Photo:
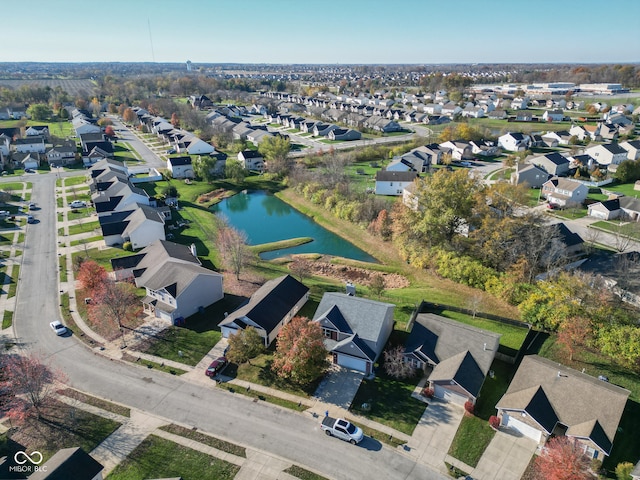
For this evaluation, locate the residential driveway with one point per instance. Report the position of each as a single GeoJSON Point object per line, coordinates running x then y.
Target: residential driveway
{"type": "Point", "coordinates": [506, 457]}
{"type": "Point", "coordinates": [434, 433]}
{"type": "Point", "coordinates": [339, 387]}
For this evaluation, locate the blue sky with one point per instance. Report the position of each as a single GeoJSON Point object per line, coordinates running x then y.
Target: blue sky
{"type": "Point", "coordinates": [326, 31]}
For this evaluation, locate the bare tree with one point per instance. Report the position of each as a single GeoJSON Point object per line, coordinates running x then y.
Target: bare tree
{"type": "Point", "coordinates": [300, 268]}
{"type": "Point", "coordinates": [474, 302]}
{"type": "Point", "coordinates": [115, 303]}
{"type": "Point", "coordinates": [377, 285]}
{"type": "Point", "coordinates": [395, 365]}
{"type": "Point", "coordinates": [232, 245]}
{"type": "Point", "coordinates": [623, 235]}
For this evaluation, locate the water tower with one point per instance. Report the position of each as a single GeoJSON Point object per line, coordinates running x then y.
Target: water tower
{"type": "Point", "coordinates": [188, 65]}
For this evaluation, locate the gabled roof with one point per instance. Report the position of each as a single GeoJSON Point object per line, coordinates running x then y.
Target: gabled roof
{"type": "Point", "coordinates": [630, 203]}
{"type": "Point", "coordinates": [179, 161]}
{"type": "Point", "coordinates": [356, 347]}
{"type": "Point", "coordinates": [69, 463]}
{"type": "Point", "coordinates": [335, 318]}
{"type": "Point", "coordinates": [269, 305]}
{"type": "Point", "coordinates": [592, 430]}
{"type": "Point", "coordinates": [574, 397]}
{"type": "Point", "coordinates": [362, 316]}
{"type": "Point", "coordinates": [393, 176]}
{"type": "Point", "coordinates": [463, 369]}
{"type": "Point", "coordinates": [610, 205]}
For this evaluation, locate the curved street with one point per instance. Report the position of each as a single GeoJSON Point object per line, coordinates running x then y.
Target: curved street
{"type": "Point", "coordinates": [292, 436]}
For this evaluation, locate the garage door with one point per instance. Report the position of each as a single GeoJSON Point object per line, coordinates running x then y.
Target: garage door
{"type": "Point", "coordinates": [523, 428]}
{"type": "Point", "coordinates": [352, 363]}
{"type": "Point", "coordinates": [163, 315]}
{"type": "Point", "coordinates": [449, 396]}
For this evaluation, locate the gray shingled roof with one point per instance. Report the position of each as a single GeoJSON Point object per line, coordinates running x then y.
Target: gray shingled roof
{"type": "Point", "coordinates": [69, 463]}
{"type": "Point", "coordinates": [391, 176]}
{"type": "Point", "coordinates": [575, 397]}
{"type": "Point", "coordinates": [365, 317]}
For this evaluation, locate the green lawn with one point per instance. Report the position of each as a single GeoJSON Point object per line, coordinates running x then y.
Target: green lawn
{"type": "Point", "coordinates": [625, 188]}
{"type": "Point", "coordinates": [156, 457]}
{"type": "Point", "coordinates": [511, 336]}
{"type": "Point", "coordinates": [62, 266]}
{"type": "Point", "coordinates": [61, 129]}
{"type": "Point", "coordinates": [303, 473]}
{"type": "Point", "coordinates": [7, 319]}
{"type": "Point", "coordinates": [80, 228]}
{"type": "Point", "coordinates": [76, 214]}
{"type": "Point", "coordinates": [630, 229]}
{"type": "Point", "coordinates": [102, 256]}
{"type": "Point", "coordinates": [15, 274]}
{"type": "Point", "coordinates": [196, 337]}
{"type": "Point", "coordinates": [86, 240]}
{"type": "Point", "coordinates": [298, 407]}
{"type": "Point", "coordinates": [471, 440]}
{"type": "Point", "coordinates": [209, 440]}
{"type": "Point", "coordinates": [72, 181]}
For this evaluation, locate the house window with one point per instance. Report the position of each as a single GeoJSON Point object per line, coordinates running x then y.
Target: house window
{"type": "Point", "coordinates": [326, 332]}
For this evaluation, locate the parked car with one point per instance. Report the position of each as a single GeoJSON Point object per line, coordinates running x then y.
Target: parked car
{"type": "Point", "coordinates": [78, 204]}
{"type": "Point", "coordinates": [29, 170]}
{"type": "Point", "coordinates": [32, 206]}
{"type": "Point", "coordinates": [216, 367]}
{"type": "Point", "coordinates": [58, 327]}
{"type": "Point", "coordinates": [171, 151]}
{"type": "Point", "coordinates": [342, 429]}
{"type": "Point", "coordinates": [30, 219]}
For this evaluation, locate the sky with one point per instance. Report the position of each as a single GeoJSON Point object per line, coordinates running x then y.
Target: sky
{"type": "Point", "coordinates": [325, 31]}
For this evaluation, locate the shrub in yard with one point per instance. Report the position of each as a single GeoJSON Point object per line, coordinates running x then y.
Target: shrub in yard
{"type": "Point", "coordinates": [127, 246]}
{"type": "Point", "coordinates": [469, 407]}
{"type": "Point", "coordinates": [428, 392]}
{"type": "Point", "coordinates": [494, 422]}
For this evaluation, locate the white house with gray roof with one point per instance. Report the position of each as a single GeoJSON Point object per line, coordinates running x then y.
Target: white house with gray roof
{"type": "Point", "coordinates": [547, 399]}
{"type": "Point", "coordinates": [176, 282]}
{"type": "Point", "coordinates": [355, 329]}
{"type": "Point", "coordinates": [455, 356]}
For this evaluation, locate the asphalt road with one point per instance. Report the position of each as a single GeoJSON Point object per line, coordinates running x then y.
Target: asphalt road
{"type": "Point", "coordinates": [291, 435]}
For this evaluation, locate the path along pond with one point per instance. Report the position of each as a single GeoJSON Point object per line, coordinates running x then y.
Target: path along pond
{"type": "Point", "coordinates": [265, 218]}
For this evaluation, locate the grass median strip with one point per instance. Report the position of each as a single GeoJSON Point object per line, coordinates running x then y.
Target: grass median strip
{"type": "Point", "coordinates": [149, 364]}
{"type": "Point", "coordinates": [299, 407]}
{"type": "Point", "coordinates": [205, 439]}
{"type": "Point", "coordinates": [15, 275]}
{"type": "Point", "coordinates": [96, 402]}
{"type": "Point", "coordinates": [303, 473]}
{"type": "Point", "coordinates": [7, 319]}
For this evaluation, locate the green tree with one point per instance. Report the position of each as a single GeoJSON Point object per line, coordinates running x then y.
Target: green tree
{"type": "Point", "coordinates": [170, 191]}
{"type": "Point", "coordinates": [235, 171]}
{"type": "Point", "coordinates": [623, 471]}
{"type": "Point", "coordinates": [628, 171]}
{"type": "Point", "coordinates": [245, 345]}
{"type": "Point", "coordinates": [203, 167]}
{"type": "Point", "coordinates": [622, 343]}
{"type": "Point", "coordinates": [40, 112]}
{"type": "Point", "coordinates": [275, 151]}
{"type": "Point", "coordinates": [446, 202]}
{"type": "Point", "coordinates": [300, 353]}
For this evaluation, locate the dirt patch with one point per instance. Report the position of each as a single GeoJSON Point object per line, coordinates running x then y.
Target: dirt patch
{"type": "Point", "coordinates": [246, 286]}
{"type": "Point", "coordinates": [214, 196]}
{"type": "Point", "coordinates": [357, 275]}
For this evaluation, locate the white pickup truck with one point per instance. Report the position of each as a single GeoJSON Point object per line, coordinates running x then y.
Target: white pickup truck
{"type": "Point", "coordinates": [342, 429]}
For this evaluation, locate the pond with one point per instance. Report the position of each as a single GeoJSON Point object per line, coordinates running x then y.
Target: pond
{"type": "Point", "coordinates": [265, 218]}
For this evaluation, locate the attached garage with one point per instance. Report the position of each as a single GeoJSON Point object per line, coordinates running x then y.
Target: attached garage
{"type": "Point", "coordinates": [523, 428]}
{"type": "Point", "coordinates": [449, 396]}
{"type": "Point", "coordinates": [352, 363]}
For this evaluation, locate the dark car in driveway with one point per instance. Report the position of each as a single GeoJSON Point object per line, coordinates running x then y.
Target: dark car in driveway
{"type": "Point", "coordinates": [216, 367]}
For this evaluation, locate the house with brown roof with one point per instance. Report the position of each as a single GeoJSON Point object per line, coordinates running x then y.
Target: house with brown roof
{"type": "Point", "coordinates": [455, 356]}
{"type": "Point", "coordinates": [546, 398]}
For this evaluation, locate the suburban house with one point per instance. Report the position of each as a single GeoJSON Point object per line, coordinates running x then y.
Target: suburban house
{"type": "Point", "coordinates": [142, 226]}
{"type": "Point", "coordinates": [484, 148]}
{"type": "Point", "coordinates": [605, 210]}
{"type": "Point", "coordinates": [35, 130]}
{"type": "Point", "coordinates": [553, 115]}
{"type": "Point", "coordinates": [632, 147]}
{"type": "Point", "coordinates": [81, 126]}
{"type": "Point", "coordinates": [26, 160]}
{"type": "Point", "coordinates": [455, 356]}
{"type": "Point", "coordinates": [64, 154]}
{"type": "Point", "coordinates": [546, 398]}
{"type": "Point", "coordinates": [608, 153]}
{"type": "Point", "coordinates": [630, 207]}
{"type": "Point", "coordinates": [271, 307]}
{"type": "Point", "coordinates": [582, 132]}
{"type": "Point", "coordinates": [564, 192]}
{"type": "Point", "coordinates": [531, 175]}
{"type": "Point", "coordinates": [459, 150]}
{"type": "Point", "coordinates": [355, 329]}
{"type": "Point", "coordinates": [514, 141]}
{"type": "Point", "coordinates": [195, 146]}
{"type": "Point", "coordinates": [553, 163]}
{"type": "Point", "coordinates": [176, 282]}
{"type": "Point", "coordinates": [389, 182]}
{"type": "Point", "coordinates": [344, 134]}
{"type": "Point", "coordinates": [180, 167]}
{"type": "Point", "coordinates": [251, 160]}
{"type": "Point", "coordinates": [559, 138]}
{"type": "Point", "coordinates": [69, 463]}
{"type": "Point", "coordinates": [34, 144]}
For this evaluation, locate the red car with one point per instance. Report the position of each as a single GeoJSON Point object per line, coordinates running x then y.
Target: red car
{"type": "Point", "coordinates": [216, 367]}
